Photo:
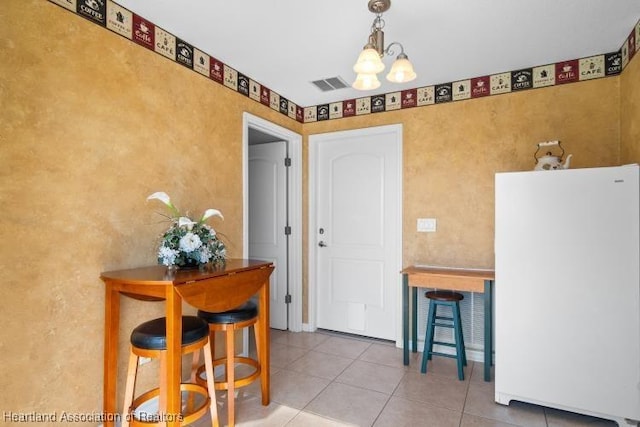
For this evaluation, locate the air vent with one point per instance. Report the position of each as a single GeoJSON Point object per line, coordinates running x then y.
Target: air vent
{"type": "Point", "coordinates": [332, 83]}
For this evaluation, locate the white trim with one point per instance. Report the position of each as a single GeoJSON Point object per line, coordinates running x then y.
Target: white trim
{"type": "Point", "coordinates": [311, 231]}
{"type": "Point", "coordinates": [314, 140]}
{"type": "Point", "coordinates": [295, 206]}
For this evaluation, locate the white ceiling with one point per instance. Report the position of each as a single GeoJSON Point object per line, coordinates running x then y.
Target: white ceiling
{"type": "Point", "coordinates": [286, 44]}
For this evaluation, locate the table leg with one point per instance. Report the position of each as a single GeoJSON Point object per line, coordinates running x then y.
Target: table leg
{"type": "Point", "coordinates": [110, 379]}
{"type": "Point", "coordinates": [263, 316]}
{"type": "Point", "coordinates": [488, 329]}
{"type": "Point", "coordinates": [173, 372]}
{"type": "Point", "coordinates": [414, 319]}
{"type": "Point", "coordinates": [405, 318]}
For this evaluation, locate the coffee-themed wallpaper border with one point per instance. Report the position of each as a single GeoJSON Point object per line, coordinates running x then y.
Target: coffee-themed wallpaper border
{"type": "Point", "coordinates": [120, 20]}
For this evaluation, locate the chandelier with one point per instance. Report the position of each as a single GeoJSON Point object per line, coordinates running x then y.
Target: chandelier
{"type": "Point", "coordinates": [369, 63]}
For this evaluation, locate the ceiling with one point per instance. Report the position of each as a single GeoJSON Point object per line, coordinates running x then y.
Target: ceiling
{"type": "Point", "coordinates": [286, 44]}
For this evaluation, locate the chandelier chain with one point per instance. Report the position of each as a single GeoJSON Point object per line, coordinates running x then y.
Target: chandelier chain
{"type": "Point", "coordinates": [378, 23]}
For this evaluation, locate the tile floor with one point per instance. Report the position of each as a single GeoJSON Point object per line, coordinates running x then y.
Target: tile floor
{"type": "Point", "coordinates": [329, 379]}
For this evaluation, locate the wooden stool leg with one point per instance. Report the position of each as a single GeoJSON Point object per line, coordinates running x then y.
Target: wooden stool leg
{"type": "Point", "coordinates": [230, 373]}
{"type": "Point", "coordinates": [208, 363]}
{"type": "Point", "coordinates": [428, 340]}
{"type": "Point", "coordinates": [132, 373]}
{"type": "Point", "coordinates": [461, 337]}
{"type": "Point", "coordinates": [457, 329]}
{"type": "Point", "coordinates": [259, 354]}
{"type": "Point", "coordinates": [162, 399]}
{"type": "Point", "coordinates": [195, 364]}
{"type": "Point", "coordinates": [256, 334]}
{"type": "Point", "coordinates": [212, 343]}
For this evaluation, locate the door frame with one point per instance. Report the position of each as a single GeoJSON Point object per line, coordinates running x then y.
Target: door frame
{"type": "Point", "coordinates": [294, 141]}
{"type": "Point", "coordinates": [314, 141]}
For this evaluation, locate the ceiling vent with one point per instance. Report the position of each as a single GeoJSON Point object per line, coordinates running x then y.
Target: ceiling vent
{"type": "Point", "coordinates": [332, 83]}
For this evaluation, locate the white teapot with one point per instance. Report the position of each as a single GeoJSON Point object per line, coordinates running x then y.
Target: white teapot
{"type": "Point", "coordinates": [549, 161]}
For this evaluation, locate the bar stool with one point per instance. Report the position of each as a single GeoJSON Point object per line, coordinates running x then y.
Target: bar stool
{"type": "Point", "coordinates": [149, 339]}
{"type": "Point", "coordinates": [229, 322]}
{"type": "Point", "coordinates": [446, 299]}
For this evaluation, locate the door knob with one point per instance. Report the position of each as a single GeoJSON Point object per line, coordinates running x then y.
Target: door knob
{"type": "Point", "coordinates": [322, 244]}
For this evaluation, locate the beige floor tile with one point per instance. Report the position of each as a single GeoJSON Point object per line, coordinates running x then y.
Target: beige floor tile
{"type": "Point", "coordinates": [557, 418]}
{"type": "Point", "coordinates": [306, 419]}
{"type": "Point", "coordinates": [344, 347]}
{"type": "Point", "coordinates": [251, 412]}
{"type": "Point", "coordinates": [388, 355]}
{"type": "Point", "coordinates": [469, 420]}
{"type": "Point", "coordinates": [283, 355]}
{"type": "Point", "coordinates": [401, 412]}
{"type": "Point", "coordinates": [480, 402]}
{"type": "Point", "coordinates": [301, 339]}
{"type": "Point", "coordinates": [477, 374]}
{"type": "Point", "coordinates": [277, 333]}
{"type": "Point", "coordinates": [348, 404]}
{"type": "Point", "coordinates": [321, 365]}
{"type": "Point", "coordinates": [433, 389]}
{"type": "Point", "coordinates": [296, 389]}
{"type": "Point", "coordinates": [372, 376]}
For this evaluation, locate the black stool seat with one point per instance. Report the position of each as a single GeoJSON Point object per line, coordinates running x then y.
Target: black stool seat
{"type": "Point", "coordinates": [152, 335]}
{"type": "Point", "coordinates": [444, 296]}
{"type": "Point", "coordinates": [246, 311]}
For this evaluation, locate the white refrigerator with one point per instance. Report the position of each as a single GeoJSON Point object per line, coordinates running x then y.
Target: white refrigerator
{"type": "Point", "coordinates": [567, 292]}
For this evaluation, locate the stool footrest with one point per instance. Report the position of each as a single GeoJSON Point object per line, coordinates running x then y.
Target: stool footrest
{"type": "Point", "coordinates": [444, 325]}
{"type": "Point", "coordinates": [189, 417]}
{"type": "Point", "coordinates": [437, 353]}
{"type": "Point", "coordinates": [448, 344]}
{"type": "Point", "coordinates": [239, 381]}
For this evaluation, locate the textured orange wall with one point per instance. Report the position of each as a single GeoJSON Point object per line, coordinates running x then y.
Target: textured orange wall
{"type": "Point", "coordinates": [630, 112]}
{"type": "Point", "coordinates": [91, 123]}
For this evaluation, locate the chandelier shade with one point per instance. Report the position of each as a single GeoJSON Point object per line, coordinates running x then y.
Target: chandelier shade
{"type": "Point", "coordinates": [401, 70]}
{"type": "Point", "coordinates": [366, 82]}
{"type": "Point", "coordinates": [368, 62]}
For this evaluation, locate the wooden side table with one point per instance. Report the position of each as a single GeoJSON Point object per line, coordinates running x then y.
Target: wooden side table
{"type": "Point", "coordinates": [458, 279]}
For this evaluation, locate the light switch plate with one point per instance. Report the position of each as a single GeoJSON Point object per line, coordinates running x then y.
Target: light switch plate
{"type": "Point", "coordinates": [426, 225]}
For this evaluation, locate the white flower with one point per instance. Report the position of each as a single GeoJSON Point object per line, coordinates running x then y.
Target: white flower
{"type": "Point", "coordinates": [190, 242]}
{"type": "Point", "coordinates": [209, 213]}
{"type": "Point", "coordinates": [205, 254]}
{"type": "Point", "coordinates": [164, 198]}
{"type": "Point", "coordinates": [167, 255]}
{"type": "Point", "coordinates": [209, 229]}
{"type": "Point", "coordinates": [184, 221]}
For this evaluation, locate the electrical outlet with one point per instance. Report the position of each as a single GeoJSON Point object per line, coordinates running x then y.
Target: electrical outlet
{"type": "Point", "coordinates": [426, 225]}
{"type": "Point", "coordinates": [143, 361]}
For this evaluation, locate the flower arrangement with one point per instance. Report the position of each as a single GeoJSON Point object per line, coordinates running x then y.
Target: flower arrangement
{"type": "Point", "coordinates": [188, 243]}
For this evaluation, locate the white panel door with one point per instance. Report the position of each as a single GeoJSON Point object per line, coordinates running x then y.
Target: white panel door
{"type": "Point", "coordinates": [358, 211]}
{"type": "Point", "coordinates": [267, 220]}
